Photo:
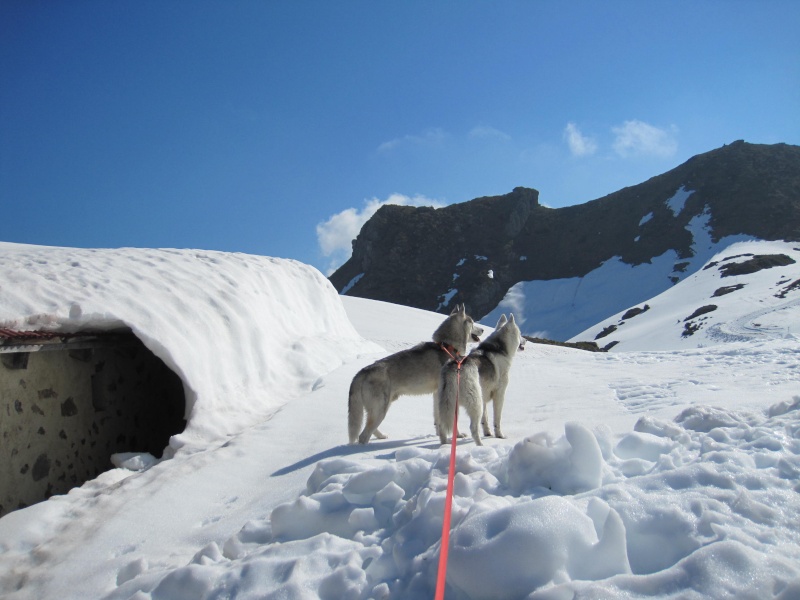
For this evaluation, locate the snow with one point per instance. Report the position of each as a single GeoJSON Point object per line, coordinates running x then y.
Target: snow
{"type": "Point", "coordinates": [352, 283]}
{"type": "Point", "coordinates": [226, 304]}
{"type": "Point", "coordinates": [641, 474]}
{"type": "Point", "coordinates": [447, 297]}
{"type": "Point", "coordinates": [560, 309]}
{"type": "Point", "coordinates": [678, 200]}
{"type": "Point", "coordinates": [763, 307]}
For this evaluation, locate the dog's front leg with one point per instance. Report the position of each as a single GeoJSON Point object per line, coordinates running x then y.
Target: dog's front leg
{"type": "Point", "coordinates": [485, 420]}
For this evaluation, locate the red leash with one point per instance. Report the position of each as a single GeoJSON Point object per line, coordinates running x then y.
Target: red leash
{"type": "Point", "coordinates": [448, 506]}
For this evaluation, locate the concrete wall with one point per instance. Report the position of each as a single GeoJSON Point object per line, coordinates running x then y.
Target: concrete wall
{"type": "Point", "coordinates": [63, 413]}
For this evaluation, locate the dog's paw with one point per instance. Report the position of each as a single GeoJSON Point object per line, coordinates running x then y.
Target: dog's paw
{"type": "Point", "coordinates": [379, 435]}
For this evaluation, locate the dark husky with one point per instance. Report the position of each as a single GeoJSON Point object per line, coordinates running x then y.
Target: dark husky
{"type": "Point", "coordinates": [483, 379]}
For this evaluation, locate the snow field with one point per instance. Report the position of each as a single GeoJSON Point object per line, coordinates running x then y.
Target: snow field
{"type": "Point", "coordinates": [706, 504]}
{"type": "Point", "coordinates": [670, 474]}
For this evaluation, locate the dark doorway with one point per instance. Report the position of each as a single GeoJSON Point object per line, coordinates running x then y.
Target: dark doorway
{"type": "Point", "coordinates": [70, 401]}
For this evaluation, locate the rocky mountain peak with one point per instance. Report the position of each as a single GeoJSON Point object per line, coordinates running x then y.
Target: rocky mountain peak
{"type": "Point", "coordinates": [473, 252]}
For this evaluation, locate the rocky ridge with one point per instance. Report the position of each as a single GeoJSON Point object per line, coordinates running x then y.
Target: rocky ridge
{"type": "Point", "coordinates": [473, 252]}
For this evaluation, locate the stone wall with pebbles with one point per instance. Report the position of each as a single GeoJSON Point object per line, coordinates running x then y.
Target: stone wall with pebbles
{"type": "Point", "coordinates": [63, 413]}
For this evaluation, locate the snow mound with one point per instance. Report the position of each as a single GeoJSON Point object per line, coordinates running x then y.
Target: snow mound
{"type": "Point", "coordinates": [244, 333]}
{"type": "Point", "coordinates": [700, 507]}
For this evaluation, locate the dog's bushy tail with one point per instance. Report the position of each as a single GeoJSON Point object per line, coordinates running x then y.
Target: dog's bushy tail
{"type": "Point", "coordinates": [448, 384]}
{"type": "Point", "coordinates": [355, 409]}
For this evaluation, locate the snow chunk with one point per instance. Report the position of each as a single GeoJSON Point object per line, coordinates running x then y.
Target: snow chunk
{"type": "Point", "coordinates": [568, 465]}
{"type": "Point", "coordinates": [539, 542]}
{"type": "Point", "coordinates": [133, 461]}
{"type": "Point", "coordinates": [643, 445]}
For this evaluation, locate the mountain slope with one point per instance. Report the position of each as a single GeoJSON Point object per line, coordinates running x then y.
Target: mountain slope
{"type": "Point", "coordinates": [666, 228]}
{"type": "Point", "coordinates": [749, 292]}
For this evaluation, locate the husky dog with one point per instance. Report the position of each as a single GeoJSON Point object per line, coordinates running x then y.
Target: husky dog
{"type": "Point", "coordinates": [410, 372]}
{"type": "Point", "coordinates": [483, 379]}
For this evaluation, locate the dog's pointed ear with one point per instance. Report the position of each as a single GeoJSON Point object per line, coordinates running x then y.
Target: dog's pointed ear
{"type": "Point", "coordinates": [511, 318]}
{"type": "Point", "coordinates": [501, 321]}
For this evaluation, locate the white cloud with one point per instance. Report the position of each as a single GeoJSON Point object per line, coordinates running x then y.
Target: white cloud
{"type": "Point", "coordinates": [579, 144]}
{"type": "Point", "coordinates": [637, 138]}
{"type": "Point", "coordinates": [335, 236]}
{"type": "Point", "coordinates": [428, 137]}
{"type": "Point", "coordinates": [489, 133]}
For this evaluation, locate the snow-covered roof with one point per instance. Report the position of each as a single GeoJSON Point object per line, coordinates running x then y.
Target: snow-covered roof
{"type": "Point", "coordinates": [234, 327]}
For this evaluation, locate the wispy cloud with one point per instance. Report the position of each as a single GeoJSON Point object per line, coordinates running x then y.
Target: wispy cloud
{"type": "Point", "coordinates": [579, 144]}
{"type": "Point", "coordinates": [485, 132]}
{"type": "Point", "coordinates": [637, 138]}
{"type": "Point", "coordinates": [429, 137]}
{"type": "Point", "coordinates": [335, 236]}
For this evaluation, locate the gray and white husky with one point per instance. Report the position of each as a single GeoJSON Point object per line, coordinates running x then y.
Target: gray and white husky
{"type": "Point", "coordinates": [483, 379]}
{"type": "Point", "coordinates": [412, 372]}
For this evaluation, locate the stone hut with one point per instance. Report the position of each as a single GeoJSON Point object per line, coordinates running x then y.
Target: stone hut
{"type": "Point", "coordinates": [70, 401]}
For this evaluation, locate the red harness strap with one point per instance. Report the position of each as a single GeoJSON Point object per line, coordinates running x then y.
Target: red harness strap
{"type": "Point", "coordinates": [448, 505]}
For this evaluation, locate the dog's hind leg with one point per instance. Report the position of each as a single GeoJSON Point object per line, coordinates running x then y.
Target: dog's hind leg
{"type": "Point", "coordinates": [355, 407]}
{"type": "Point", "coordinates": [474, 408]}
{"type": "Point", "coordinates": [499, 399]}
{"type": "Point", "coordinates": [376, 413]}
{"type": "Point", "coordinates": [374, 419]}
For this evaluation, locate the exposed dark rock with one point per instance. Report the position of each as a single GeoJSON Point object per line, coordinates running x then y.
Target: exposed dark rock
{"type": "Point", "coordinates": [755, 264]}
{"type": "Point", "coordinates": [727, 290]}
{"type": "Point", "coordinates": [606, 331]}
{"type": "Point", "coordinates": [681, 267]}
{"type": "Point", "coordinates": [703, 310]}
{"type": "Point", "coordinates": [794, 286]}
{"type": "Point", "coordinates": [41, 468]}
{"type": "Point", "coordinates": [68, 408]}
{"type": "Point", "coordinates": [690, 329]}
{"type": "Point", "coordinates": [588, 346]}
{"type": "Point", "coordinates": [635, 311]}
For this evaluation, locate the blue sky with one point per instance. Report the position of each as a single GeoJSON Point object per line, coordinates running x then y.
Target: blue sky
{"type": "Point", "coordinates": [276, 128]}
